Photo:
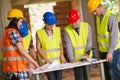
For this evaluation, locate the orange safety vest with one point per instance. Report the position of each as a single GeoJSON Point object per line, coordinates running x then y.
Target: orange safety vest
{"type": "Point", "coordinates": [13, 60]}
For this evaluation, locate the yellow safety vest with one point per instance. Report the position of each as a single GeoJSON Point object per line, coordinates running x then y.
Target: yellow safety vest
{"type": "Point", "coordinates": [50, 48]}
{"type": "Point", "coordinates": [26, 41]}
{"type": "Point", "coordinates": [1, 57]}
{"type": "Point", "coordinates": [79, 42]}
{"type": "Point", "coordinates": [103, 35]}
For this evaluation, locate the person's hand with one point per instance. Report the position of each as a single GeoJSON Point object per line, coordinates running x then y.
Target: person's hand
{"type": "Point", "coordinates": [109, 57]}
{"type": "Point", "coordinates": [85, 56]}
{"type": "Point", "coordinates": [73, 61]}
{"type": "Point", "coordinates": [36, 64]}
{"type": "Point", "coordinates": [62, 58]}
{"type": "Point", "coordinates": [31, 66]}
{"type": "Point", "coordinates": [48, 61]}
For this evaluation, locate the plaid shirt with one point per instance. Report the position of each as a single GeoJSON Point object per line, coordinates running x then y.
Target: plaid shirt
{"type": "Point", "coordinates": [21, 75]}
{"type": "Point", "coordinates": [14, 36]}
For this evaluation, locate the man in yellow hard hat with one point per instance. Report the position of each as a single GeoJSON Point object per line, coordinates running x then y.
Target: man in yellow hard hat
{"type": "Point", "coordinates": [108, 38]}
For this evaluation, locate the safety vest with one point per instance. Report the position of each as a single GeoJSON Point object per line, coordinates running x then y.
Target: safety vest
{"type": "Point", "coordinates": [13, 61]}
{"type": "Point", "coordinates": [26, 41]}
{"type": "Point", "coordinates": [79, 42]}
{"type": "Point", "coordinates": [103, 35]}
{"type": "Point", "coordinates": [51, 48]}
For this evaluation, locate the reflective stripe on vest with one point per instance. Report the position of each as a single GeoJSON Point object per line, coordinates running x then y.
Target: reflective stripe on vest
{"type": "Point", "coordinates": [102, 33]}
{"type": "Point", "coordinates": [79, 47]}
{"type": "Point", "coordinates": [52, 50]}
{"type": "Point", "coordinates": [9, 48]}
{"type": "Point", "coordinates": [103, 36]}
{"type": "Point", "coordinates": [13, 58]}
{"type": "Point", "coordinates": [104, 45]}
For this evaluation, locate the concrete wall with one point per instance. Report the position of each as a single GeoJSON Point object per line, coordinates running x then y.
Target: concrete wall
{"type": "Point", "coordinates": [5, 6]}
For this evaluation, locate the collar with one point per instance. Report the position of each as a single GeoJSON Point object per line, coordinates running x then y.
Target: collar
{"type": "Point", "coordinates": [103, 13]}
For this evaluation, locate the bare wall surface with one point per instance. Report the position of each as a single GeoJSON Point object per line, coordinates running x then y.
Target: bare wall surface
{"type": "Point", "coordinates": [5, 6]}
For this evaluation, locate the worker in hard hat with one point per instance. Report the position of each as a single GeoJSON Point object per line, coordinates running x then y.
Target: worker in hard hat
{"type": "Point", "coordinates": [78, 38]}
{"type": "Point", "coordinates": [15, 57]}
{"type": "Point", "coordinates": [108, 38]}
{"type": "Point", "coordinates": [49, 45]}
{"type": "Point", "coordinates": [28, 45]}
{"type": "Point", "coordinates": [27, 39]}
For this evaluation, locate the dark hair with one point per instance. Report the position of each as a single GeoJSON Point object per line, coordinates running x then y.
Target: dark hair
{"type": "Point", "coordinates": [13, 23]}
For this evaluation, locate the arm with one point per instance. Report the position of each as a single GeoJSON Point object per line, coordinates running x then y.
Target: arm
{"type": "Point", "coordinates": [32, 50]}
{"type": "Point", "coordinates": [62, 58]}
{"type": "Point", "coordinates": [25, 54]}
{"type": "Point", "coordinates": [113, 29]}
{"type": "Point", "coordinates": [89, 43]}
{"type": "Point", "coordinates": [15, 39]}
{"type": "Point", "coordinates": [89, 40]}
{"type": "Point", "coordinates": [69, 47]}
{"type": "Point", "coordinates": [38, 46]}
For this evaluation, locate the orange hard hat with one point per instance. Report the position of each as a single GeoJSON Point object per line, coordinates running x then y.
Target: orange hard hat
{"type": "Point", "coordinates": [73, 16]}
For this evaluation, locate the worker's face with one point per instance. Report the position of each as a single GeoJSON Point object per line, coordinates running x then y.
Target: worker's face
{"type": "Point", "coordinates": [97, 11]}
{"type": "Point", "coordinates": [76, 24]}
{"type": "Point", "coordinates": [49, 26]}
{"type": "Point", "coordinates": [19, 23]}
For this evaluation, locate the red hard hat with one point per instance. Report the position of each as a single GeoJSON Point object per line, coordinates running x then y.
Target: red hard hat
{"type": "Point", "coordinates": [73, 16]}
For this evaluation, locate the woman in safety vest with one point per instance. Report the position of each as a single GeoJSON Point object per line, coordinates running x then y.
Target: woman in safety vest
{"type": "Point", "coordinates": [28, 45]}
{"type": "Point", "coordinates": [15, 58]}
{"type": "Point", "coordinates": [78, 38]}
{"type": "Point", "coordinates": [49, 45]}
{"type": "Point", "coordinates": [108, 38]}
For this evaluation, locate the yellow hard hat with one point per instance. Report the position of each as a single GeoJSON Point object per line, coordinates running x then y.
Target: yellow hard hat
{"type": "Point", "coordinates": [15, 13]}
{"type": "Point", "coordinates": [93, 4]}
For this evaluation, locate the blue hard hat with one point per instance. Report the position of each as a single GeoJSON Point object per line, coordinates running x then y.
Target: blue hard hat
{"type": "Point", "coordinates": [24, 29]}
{"type": "Point", "coordinates": [49, 18]}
